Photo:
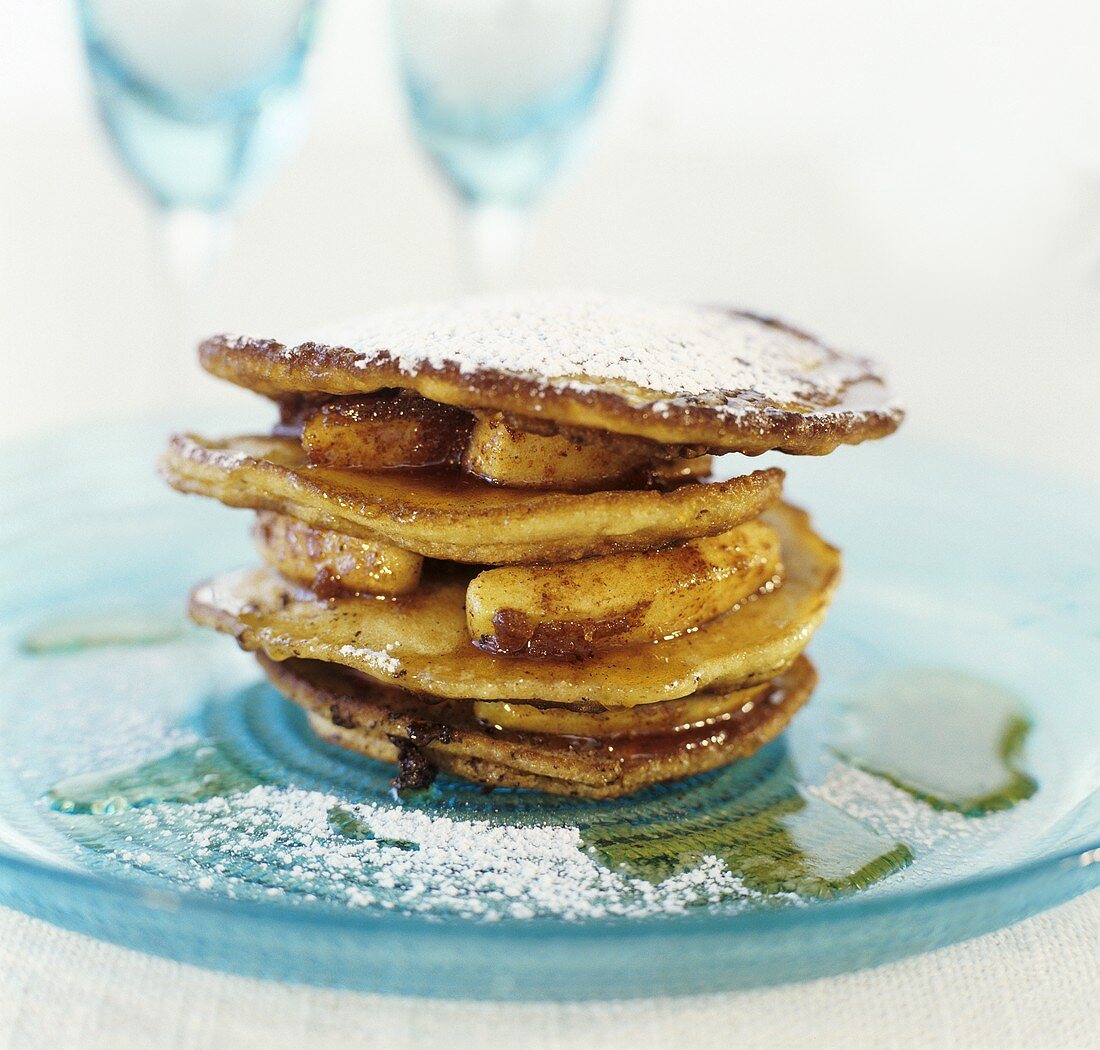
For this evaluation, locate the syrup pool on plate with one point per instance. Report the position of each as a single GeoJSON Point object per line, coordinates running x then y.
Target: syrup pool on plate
{"type": "Point", "coordinates": [950, 739]}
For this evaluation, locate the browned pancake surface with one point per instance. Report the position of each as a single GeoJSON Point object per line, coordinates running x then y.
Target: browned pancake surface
{"type": "Point", "coordinates": [720, 378]}
{"type": "Point", "coordinates": [383, 722]}
{"type": "Point", "coordinates": [455, 516]}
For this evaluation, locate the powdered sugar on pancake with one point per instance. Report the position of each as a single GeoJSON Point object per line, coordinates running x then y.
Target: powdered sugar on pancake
{"type": "Point", "coordinates": [656, 351]}
{"type": "Point", "coordinates": [677, 374]}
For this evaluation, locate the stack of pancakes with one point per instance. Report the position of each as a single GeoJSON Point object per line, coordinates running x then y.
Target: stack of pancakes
{"type": "Point", "coordinates": [491, 544]}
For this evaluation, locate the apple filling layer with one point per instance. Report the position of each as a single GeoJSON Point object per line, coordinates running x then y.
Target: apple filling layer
{"type": "Point", "coordinates": [389, 431]}
{"type": "Point", "coordinates": [546, 610]}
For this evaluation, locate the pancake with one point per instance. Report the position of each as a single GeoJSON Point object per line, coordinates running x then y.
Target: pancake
{"type": "Point", "coordinates": [399, 727]}
{"type": "Point", "coordinates": [454, 516]}
{"type": "Point", "coordinates": [421, 641]}
{"type": "Point", "coordinates": [674, 374]}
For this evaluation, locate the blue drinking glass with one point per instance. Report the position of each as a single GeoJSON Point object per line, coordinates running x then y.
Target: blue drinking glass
{"type": "Point", "coordinates": [500, 93]}
{"type": "Point", "coordinates": [202, 100]}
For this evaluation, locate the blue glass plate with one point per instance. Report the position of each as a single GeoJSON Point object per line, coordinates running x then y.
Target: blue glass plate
{"type": "Point", "coordinates": [154, 792]}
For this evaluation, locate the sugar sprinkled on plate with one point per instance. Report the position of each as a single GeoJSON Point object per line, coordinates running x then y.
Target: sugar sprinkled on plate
{"type": "Point", "coordinates": [289, 842]}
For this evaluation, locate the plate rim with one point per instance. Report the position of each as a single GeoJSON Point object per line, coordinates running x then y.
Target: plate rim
{"type": "Point", "coordinates": [835, 911]}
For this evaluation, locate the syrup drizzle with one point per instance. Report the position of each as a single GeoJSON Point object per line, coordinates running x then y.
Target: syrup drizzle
{"type": "Point", "coordinates": [189, 774]}
{"type": "Point", "coordinates": [770, 833]}
{"type": "Point", "coordinates": [73, 634]}
{"type": "Point", "coordinates": [948, 738]}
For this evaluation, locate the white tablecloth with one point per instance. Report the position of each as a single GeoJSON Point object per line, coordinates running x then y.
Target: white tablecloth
{"type": "Point", "coordinates": [1033, 985]}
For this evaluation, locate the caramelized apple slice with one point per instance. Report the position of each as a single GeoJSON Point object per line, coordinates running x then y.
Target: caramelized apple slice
{"type": "Point", "coordinates": [501, 452]}
{"type": "Point", "coordinates": [389, 430]}
{"type": "Point", "coordinates": [331, 563]}
{"type": "Point", "coordinates": [700, 711]}
{"type": "Point", "coordinates": [602, 603]}
{"type": "Point", "coordinates": [384, 430]}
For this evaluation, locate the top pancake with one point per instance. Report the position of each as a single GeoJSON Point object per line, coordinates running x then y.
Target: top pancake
{"type": "Point", "coordinates": [676, 374]}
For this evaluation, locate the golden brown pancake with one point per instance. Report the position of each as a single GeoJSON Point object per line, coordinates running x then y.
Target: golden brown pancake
{"type": "Point", "coordinates": [421, 641]}
{"type": "Point", "coordinates": [397, 726]}
{"type": "Point", "coordinates": [675, 374]}
{"type": "Point", "coordinates": [456, 516]}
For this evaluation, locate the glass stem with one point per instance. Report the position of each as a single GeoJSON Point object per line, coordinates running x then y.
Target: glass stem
{"type": "Point", "coordinates": [193, 246]}
{"type": "Point", "coordinates": [492, 238]}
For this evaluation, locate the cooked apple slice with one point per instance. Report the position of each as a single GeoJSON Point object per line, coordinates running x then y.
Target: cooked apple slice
{"type": "Point", "coordinates": [699, 711]}
{"type": "Point", "coordinates": [384, 430]}
{"type": "Point", "coordinates": [420, 641]}
{"type": "Point", "coordinates": [675, 471]}
{"type": "Point", "coordinates": [501, 452]}
{"type": "Point", "coordinates": [602, 603]}
{"type": "Point", "coordinates": [331, 563]}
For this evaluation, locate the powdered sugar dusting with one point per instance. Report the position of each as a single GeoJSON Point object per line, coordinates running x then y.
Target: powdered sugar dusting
{"type": "Point", "coordinates": [285, 841]}
{"type": "Point", "coordinates": [657, 353]}
{"type": "Point", "coordinates": [378, 658]}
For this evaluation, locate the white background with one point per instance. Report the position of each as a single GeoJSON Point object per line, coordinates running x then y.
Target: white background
{"type": "Point", "coordinates": [917, 180]}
